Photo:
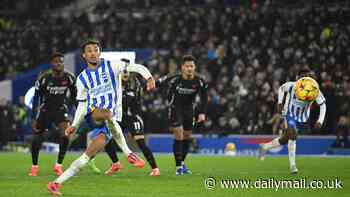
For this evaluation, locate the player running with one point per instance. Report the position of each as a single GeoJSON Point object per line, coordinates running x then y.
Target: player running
{"type": "Point", "coordinates": [296, 112]}
{"type": "Point", "coordinates": [99, 94]}
{"type": "Point", "coordinates": [182, 90]}
{"type": "Point", "coordinates": [54, 92]}
{"type": "Point", "coordinates": [132, 123]}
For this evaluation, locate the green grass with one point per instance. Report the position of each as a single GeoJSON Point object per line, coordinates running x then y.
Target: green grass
{"type": "Point", "coordinates": [136, 182]}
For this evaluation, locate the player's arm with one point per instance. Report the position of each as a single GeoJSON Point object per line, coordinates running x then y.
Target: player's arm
{"type": "Point", "coordinates": [203, 100]}
{"type": "Point", "coordinates": [282, 90]}
{"type": "Point", "coordinates": [137, 68]}
{"type": "Point", "coordinates": [38, 93]}
{"type": "Point", "coordinates": [321, 101]}
{"type": "Point", "coordinates": [144, 72]}
{"type": "Point", "coordinates": [72, 90]}
{"type": "Point", "coordinates": [36, 99]}
{"type": "Point", "coordinates": [164, 81]}
{"type": "Point", "coordinates": [81, 110]}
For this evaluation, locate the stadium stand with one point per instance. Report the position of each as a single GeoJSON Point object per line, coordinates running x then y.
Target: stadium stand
{"type": "Point", "coordinates": [245, 50]}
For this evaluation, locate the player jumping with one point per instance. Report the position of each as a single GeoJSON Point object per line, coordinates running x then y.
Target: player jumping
{"type": "Point", "coordinates": [99, 94]}
{"type": "Point", "coordinates": [50, 105]}
{"type": "Point", "coordinates": [296, 112]}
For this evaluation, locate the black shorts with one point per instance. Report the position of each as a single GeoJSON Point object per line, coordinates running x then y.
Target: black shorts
{"type": "Point", "coordinates": [47, 117]}
{"type": "Point", "coordinates": [182, 116]}
{"type": "Point", "coordinates": [133, 125]}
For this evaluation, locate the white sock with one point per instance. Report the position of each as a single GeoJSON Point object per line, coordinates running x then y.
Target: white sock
{"type": "Point", "coordinates": [291, 152]}
{"type": "Point", "coordinates": [73, 169]}
{"type": "Point", "coordinates": [118, 136]}
{"type": "Point", "coordinates": [272, 144]}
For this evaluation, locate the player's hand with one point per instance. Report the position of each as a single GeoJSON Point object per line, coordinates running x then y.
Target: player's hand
{"type": "Point", "coordinates": [318, 125]}
{"type": "Point", "coordinates": [35, 126]}
{"type": "Point", "coordinates": [151, 84]}
{"type": "Point", "coordinates": [201, 118]}
{"type": "Point", "coordinates": [70, 130]}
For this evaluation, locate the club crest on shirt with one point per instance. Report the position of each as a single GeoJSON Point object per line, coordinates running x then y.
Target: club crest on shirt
{"type": "Point", "coordinates": [104, 77]}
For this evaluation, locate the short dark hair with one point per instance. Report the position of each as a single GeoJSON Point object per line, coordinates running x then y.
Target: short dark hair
{"type": "Point", "coordinates": [56, 54]}
{"type": "Point", "coordinates": [187, 58]}
{"type": "Point", "coordinates": [89, 41]}
{"type": "Point", "coordinates": [304, 71]}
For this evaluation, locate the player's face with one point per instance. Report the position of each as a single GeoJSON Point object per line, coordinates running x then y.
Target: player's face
{"type": "Point", "coordinates": [188, 68]}
{"type": "Point", "coordinates": [92, 54]}
{"type": "Point", "coordinates": [57, 63]}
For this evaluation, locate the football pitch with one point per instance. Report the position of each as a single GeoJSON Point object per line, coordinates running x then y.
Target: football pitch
{"type": "Point", "coordinates": [211, 177]}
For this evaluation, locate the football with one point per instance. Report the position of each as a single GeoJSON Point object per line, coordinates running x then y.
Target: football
{"type": "Point", "coordinates": [307, 89]}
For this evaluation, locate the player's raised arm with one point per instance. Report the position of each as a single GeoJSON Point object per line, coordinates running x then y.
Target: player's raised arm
{"type": "Point", "coordinates": [146, 74]}
{"type": "Point", "coordinates": [125, 66]}
{"type": "Point", "coordinates": [165, 80]}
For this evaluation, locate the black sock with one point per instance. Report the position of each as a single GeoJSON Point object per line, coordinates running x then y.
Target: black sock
{"type": "Point", "coordinates": [111, 150]}
{"type": "Point", "coordinates": [177, 150]}
{"type": "Point", "coordinates": [147, 153]}
{"type": "Point", "coordinates": [63, 149]}
{"type": "Point", "coordinates": [185, 148]}
{"type": "Point", "coordinates": [36, 146]}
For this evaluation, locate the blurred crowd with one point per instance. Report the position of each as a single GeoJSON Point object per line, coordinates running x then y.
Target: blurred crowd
{"type": "Point", "coordinates": [244, 49]}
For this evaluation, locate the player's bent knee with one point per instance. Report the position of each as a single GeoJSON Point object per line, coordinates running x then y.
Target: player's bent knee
{"type": "Point", "coordinates": [187, 134]}
{"type": "Point", "coordinates": [292, 134]}
{"type": "Point", "coordinates": [178, 134]}
{"type": "Point", "coordinates": [283, 140]}
{"type": "Point", "coordinates": [95, 145]}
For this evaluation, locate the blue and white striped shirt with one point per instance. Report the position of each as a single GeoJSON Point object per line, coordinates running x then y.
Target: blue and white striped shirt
{"type": "Point", "coordinates": [295, 108]}
{"type": "Point", "coordinates": [101, 87]}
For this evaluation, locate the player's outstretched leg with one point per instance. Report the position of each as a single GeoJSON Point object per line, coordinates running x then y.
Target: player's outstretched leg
{"type": "Point", "coordinates": [64, 143]}
{"type": "Point", "coordinates": [37, 141]}
{"type": "Point", "coordinates": [148, 154]}
{"type": "Point", "coordinates": [272, 144]}
{"type": "Point", "coordinates": [96, 145]}
{"type": "Point", "coordinates": [111, 150]}
{"type": "Point", "coordinates": [118, 136]}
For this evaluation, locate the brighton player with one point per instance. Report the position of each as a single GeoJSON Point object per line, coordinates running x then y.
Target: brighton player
{"type": "Point", "coordinates": [100, 103]}
{"type": "Point", "coordinates": [296, 112]}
